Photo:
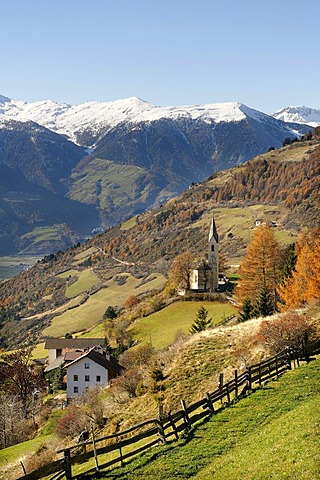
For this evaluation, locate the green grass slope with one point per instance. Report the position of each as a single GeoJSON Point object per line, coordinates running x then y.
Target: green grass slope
{"type": "Point", "coordinates": [273, 433]}
{"type": "Point", "coordinates": [160, 328]}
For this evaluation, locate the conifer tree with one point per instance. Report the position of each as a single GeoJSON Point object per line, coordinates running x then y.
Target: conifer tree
{"type": "Point", "coordinates": [201, 322]}
{"type": "Point", "coordinates": [247, 311]}
{"type": "Point", "coordinates": [264, 305]}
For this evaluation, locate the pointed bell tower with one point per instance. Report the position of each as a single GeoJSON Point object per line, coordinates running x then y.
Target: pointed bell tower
{"type": "Point", "coordinates": [213, 255]}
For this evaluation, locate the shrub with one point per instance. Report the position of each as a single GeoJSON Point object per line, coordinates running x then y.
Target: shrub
{"type": "Point", "coordinates": [289, 330]}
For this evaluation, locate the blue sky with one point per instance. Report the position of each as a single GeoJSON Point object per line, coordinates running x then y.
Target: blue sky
{"type": "Point", "coordinates": [168, 52]}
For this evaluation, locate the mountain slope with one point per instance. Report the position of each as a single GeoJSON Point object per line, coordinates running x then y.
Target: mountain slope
{"type": "Point", "coordinates": [140, 156]}
{"type": "Point", "coordinates": [281, 186]}
{"type": "Point", "coordinates": [33, 164]}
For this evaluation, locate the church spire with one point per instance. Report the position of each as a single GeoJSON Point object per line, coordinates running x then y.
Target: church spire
{"type": "Point", "coordinates": [213, 231]}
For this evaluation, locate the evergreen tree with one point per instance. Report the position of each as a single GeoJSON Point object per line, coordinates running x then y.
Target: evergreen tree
{"type": "Point", "coordinates": [201, 322]}
{"type": "Point", "coordinates": [247, 311]}
{"type": "Point", "coordinates": [264, 305]}
{"type": "Point", "coordinates": [289, 260]}
{"type": "Point", "coordinates": [157, 383]}
{"type": "Point", "coordinates": [110, 313]}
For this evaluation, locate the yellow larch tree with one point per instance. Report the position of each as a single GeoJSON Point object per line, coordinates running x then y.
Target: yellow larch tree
{"type": "Point", "coordinates": [304, 285]}
{"type": "Point", "coordinates": [259, 268]}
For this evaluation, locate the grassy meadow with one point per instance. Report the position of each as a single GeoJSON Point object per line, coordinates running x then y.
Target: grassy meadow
{"type": "Point", "coordinates": [86, 279]}
{"type": "Point", "coordinates": [271, 433]}
{"type": "Point", "coordinates": [161, 328]}
{"type": "Point", "coordinates": [87, 315]}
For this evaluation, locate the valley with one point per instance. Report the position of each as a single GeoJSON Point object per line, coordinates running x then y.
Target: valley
{"type": "Point", "coordinates": [91, 166]}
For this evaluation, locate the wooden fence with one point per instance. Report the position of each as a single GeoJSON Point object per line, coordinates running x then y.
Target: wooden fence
{"type": "Point", "coordinates": [112, 449]}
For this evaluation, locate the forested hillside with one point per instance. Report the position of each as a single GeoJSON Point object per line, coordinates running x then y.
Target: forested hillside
{"type": "Point", "coordinates": [281, 187]}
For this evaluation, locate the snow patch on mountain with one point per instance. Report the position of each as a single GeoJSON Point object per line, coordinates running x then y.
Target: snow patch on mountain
{"type": "Point", "coordinates": [300, 114]}
{"type": "Point", "coordinates": [86, 123]}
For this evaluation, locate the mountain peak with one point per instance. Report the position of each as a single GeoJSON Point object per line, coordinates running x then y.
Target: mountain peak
{"type": "Point", "coordinates": [299, 114]}
{"type": "Point", "coordinates": [4, 99]}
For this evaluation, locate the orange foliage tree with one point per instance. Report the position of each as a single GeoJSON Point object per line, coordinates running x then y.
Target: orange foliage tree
{"type": "Point", "coordinates": [259, 268]}
{"type": "Point", "coordinates": [304, 285]}
{"type": "Point", "coordinates": [179, 274]}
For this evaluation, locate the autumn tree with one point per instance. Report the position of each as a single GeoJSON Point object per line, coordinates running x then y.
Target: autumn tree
{"type": "Point", "coordinates": [179, 273]}
{"type": "Point", "coordinates": [304, 284]}
{"type": "Point", "coordinates": [19, 377]}
{"type": "Point", "coordinates": [259, 268]}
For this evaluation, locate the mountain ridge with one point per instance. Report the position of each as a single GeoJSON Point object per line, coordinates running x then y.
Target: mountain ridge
{"type": "Point", "coordinates": [141, 155]}
{"type": "Point", "coordinates": [72, 120]}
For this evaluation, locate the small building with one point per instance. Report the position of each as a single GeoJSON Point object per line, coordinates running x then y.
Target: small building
{"type": "Point", "coordinates": [92, 369]}
{"type": "Point", "coordinates": [59, 346]}
{"type": "Point", "coordinates": [84, 361]}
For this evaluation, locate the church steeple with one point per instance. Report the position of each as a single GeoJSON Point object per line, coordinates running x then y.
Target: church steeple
{"type": "Point", "coordinates": [213, 253]}
{"type": "Point", "coordinates": [213, 231]}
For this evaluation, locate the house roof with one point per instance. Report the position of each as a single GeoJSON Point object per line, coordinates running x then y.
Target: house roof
{"type": "Point", "coordinates": [57, 343]}
{"type": "Point", "coordinates": [109, 363]}
{"type": "Point", "coordinates": [213, 231]}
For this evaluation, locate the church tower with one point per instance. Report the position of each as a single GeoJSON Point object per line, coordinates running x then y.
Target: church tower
{"type": "Point", "coordinates": [213, 255]}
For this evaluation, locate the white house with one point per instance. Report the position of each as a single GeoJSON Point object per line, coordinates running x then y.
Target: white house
{"type": "Point", "coordinates": [93, 368]}
{"type": "Point", "coordinates": [58, 347]}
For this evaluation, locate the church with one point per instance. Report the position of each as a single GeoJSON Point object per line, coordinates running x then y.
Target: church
{"type": "Point", "coordinates": [205, 276]}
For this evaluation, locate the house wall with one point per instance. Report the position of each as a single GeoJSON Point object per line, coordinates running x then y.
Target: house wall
{"type": "Point", "coordinates": [79, 369]}
{"type": "Point", "coordinates": [53, 354]}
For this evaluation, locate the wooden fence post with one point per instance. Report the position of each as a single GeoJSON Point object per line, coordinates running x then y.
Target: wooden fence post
{"type": "Point", "coordinates": [288, 358]}
{"type": "Point", "coordinates": [249, 383]}
{"type": "Point", "coordinates": [221, 384]}
{"type": "Point", "coordinates": [162, 435]}
{"type": "Point", "coordinates": [186, 416]}
{"type": "Point", "coordinates": [209, 403]}
{"type": "Point", "coordinates": [94, 447]}
{"type": "Point", "coordinates": [67, 464]}
{"type": "Point", "coordinates": [277, 370]}
{"type": "Point", "coordinates": [260, 380]}
{"type": "Point", "coordinates": [120, 451]}
{"type": "Point", "coordinates": [173, 425]}
{"type": "Point", "coordinates": [228, 393]}
{"type": "Point", "coordinates": [236, 383]}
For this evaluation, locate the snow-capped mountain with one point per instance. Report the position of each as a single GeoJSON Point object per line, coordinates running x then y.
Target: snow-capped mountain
{"type": "Point", "coordinates": [302, 115]}
{"type": "Point", "coordinates": [88, 122]}
{"type": "Point", "coordinates": [140, 155]}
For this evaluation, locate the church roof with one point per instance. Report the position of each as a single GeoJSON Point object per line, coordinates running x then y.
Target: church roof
{"type": "Point", "coordinates": [213, 231]}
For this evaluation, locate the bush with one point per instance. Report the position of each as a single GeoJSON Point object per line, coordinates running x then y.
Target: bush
{"type": "Point", "coordinates": [289, 330]}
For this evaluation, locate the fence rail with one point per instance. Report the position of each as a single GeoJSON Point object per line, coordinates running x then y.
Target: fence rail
{"type": "Point", "coordinates": [159, 430]}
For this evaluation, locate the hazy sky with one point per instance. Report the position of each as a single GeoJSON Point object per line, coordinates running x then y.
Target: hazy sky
{"type": "Point", "coordinates": [168, 52]}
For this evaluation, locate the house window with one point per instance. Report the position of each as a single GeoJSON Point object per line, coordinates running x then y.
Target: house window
{"type": "Point", "coordinates": [98, 379]}
{"type": "Point", "coordinates": [75, 378]}
{"type": "Point", "coordinates": [87, 365]}
{"type": "Point", "coordinates": [58, 352]}
{"type": "Point", "coordinates": [75, 390]}
{"type": "Point", "coordinates": [87, 378]}
{"type": "Point", "coordinates": [212, 248]}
